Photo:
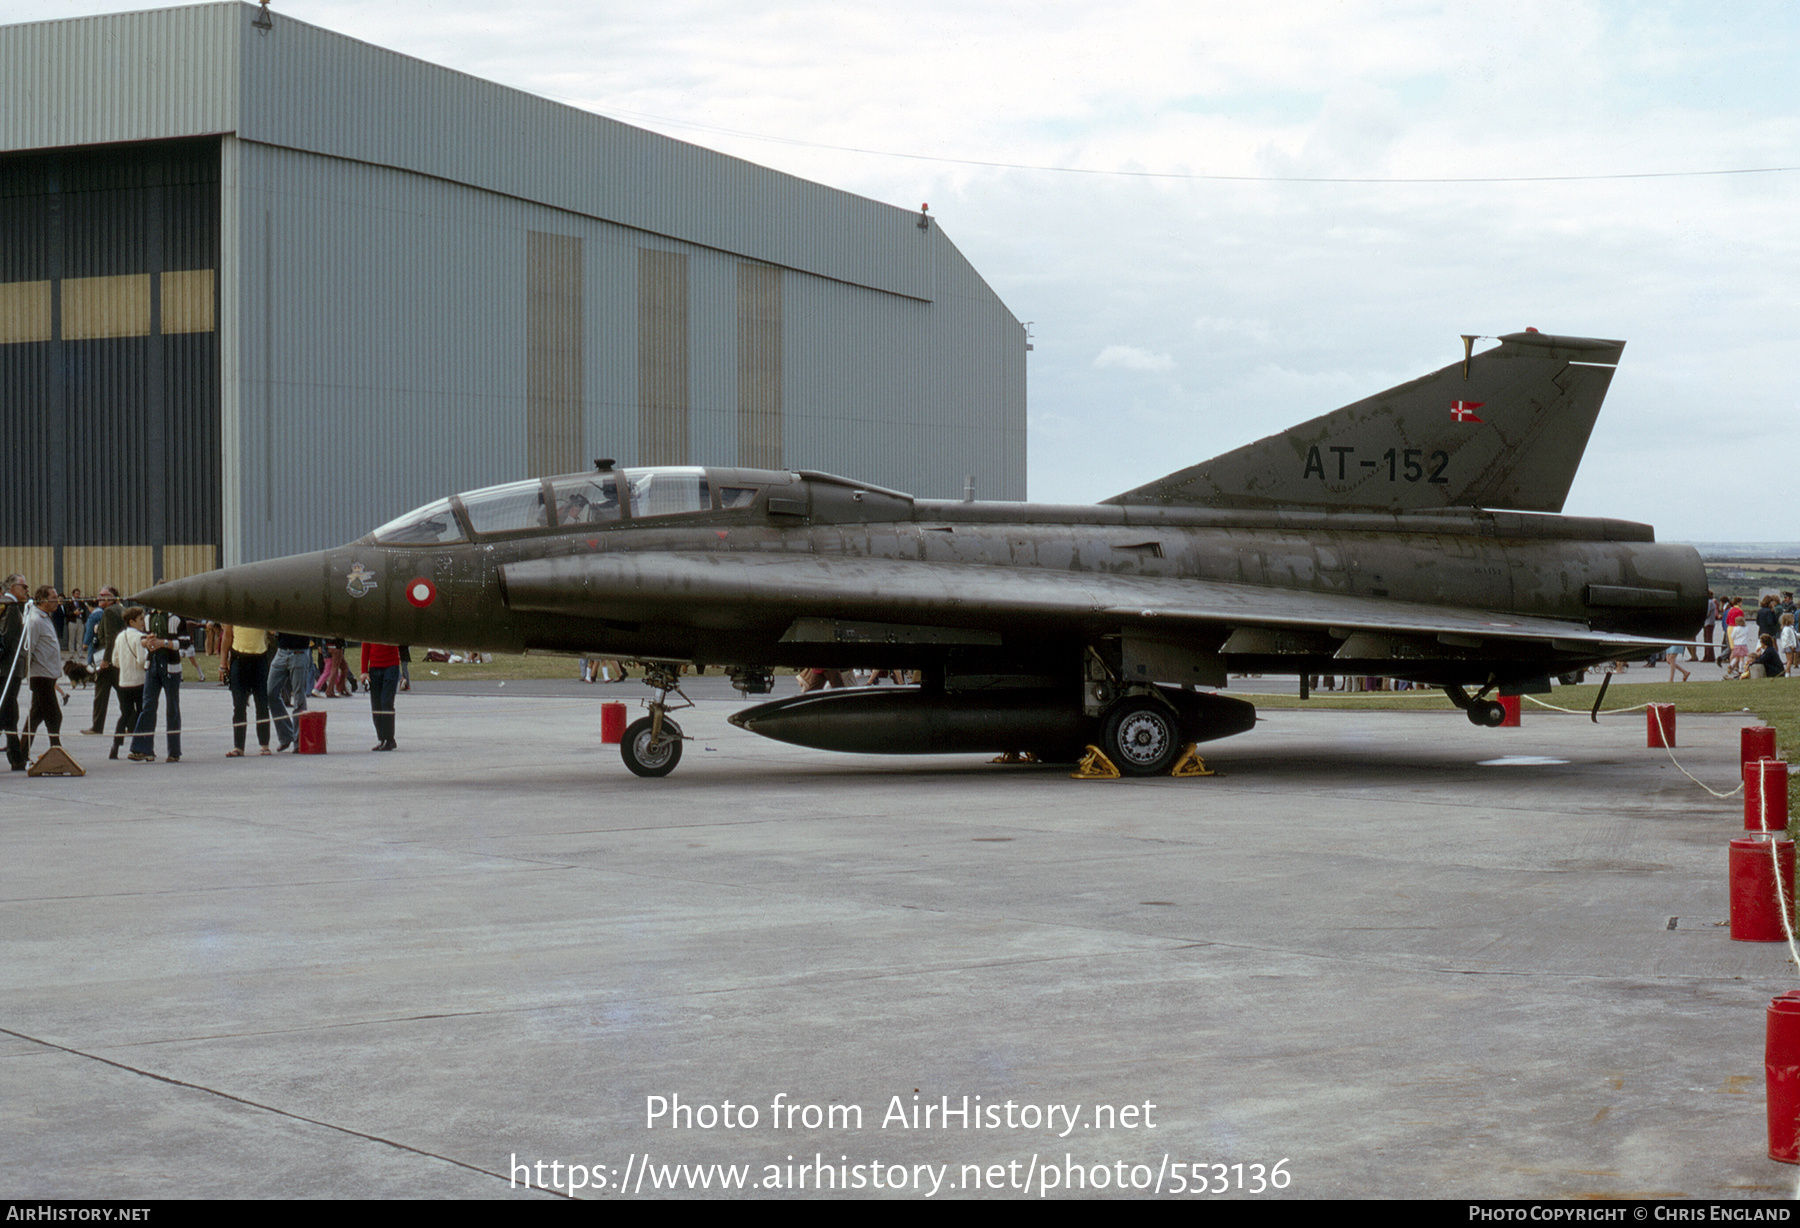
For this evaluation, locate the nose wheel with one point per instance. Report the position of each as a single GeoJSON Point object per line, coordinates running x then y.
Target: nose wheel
{"type": "Point", "coordinates": [652, 744]}
{"type": "Point", "coordinates": [649, 750]}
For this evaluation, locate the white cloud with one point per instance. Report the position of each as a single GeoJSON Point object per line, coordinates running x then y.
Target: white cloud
{"type": "Point", "coordinates": [1131, 358]}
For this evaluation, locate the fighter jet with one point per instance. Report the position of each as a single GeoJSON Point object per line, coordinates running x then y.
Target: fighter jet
{"type": "Point", "coordinates": [1414, 534]}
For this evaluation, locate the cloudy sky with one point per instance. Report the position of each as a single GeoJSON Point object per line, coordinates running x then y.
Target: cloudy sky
{"type": "Point", "coordinates": [1143, 182]}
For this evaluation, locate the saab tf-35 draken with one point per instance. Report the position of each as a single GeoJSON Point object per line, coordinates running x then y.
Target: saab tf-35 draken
{"type": "Point", "coordinates": [1414, 534]}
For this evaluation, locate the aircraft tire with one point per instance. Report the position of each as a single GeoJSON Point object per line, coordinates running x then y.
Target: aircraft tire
{"type": "Point", "coordinates": [1488, 713]}
{"type": "Point", "coordinates": [645, 758]}
{"type": "Point", "coordinates": [1142, 737]}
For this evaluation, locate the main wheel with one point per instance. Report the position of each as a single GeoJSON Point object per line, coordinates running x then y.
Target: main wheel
{"type": "Point", "coordinates": [1142, 737]}
{"type": "Point", "coordinates": [647, 756]}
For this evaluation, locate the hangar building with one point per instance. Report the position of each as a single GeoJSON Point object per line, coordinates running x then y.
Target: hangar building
{"type": "Point", "coordinates": [263, 287]}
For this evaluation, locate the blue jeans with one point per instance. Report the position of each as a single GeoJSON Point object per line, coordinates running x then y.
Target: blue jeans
{"type": "Point", "coordinates": [290, 669]}
{"type": "Point", "coordinates": [160, 678]}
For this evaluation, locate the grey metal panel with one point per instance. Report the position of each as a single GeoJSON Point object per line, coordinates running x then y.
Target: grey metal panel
{"type": "Point", "coordinates": [976, 379]}
{"type": "Point", "coordinates": [121, 77]}
{"type": "Point", "coordinates": [400, 342]}
{"type": "Point", "coordinates": [554, 283]}
{"type": "Point", "coordinates": [663, 373]}
{"type": "Point", "coordinates": [394, 110]}
{"type": "Point", "coordinates": [612, 373]}
{"type": "Point", "coordinates": [712, 368]}
{"type": "Point", "coordinates": [382, 359]}
{"type": "Point", "coordinates": [910, 395]}
{"type": "Point", "coordinates": [759, 366]}
{"type": "Point", "coordinates": [231, 348]}
{"type": "Point", "coordinates": [397, 370]}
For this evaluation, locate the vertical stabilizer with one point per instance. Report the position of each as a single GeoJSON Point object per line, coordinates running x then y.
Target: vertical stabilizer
{"type": "Point", "coordinates": [1506, 429]}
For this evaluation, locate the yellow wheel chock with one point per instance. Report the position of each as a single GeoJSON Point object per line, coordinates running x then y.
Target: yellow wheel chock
{"type": "Point", "coordinates": [1016, 756]}
{"type": "Point", "coordinates": [56, 762]}
{"type": "Point", "coordinates": [1191, 764]}
{"type": "Point", "coordinates": [1095, 766]}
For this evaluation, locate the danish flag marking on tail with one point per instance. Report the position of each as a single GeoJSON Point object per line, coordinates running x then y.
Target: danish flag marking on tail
{"type": "Point", "coordinates": [1464, 411]}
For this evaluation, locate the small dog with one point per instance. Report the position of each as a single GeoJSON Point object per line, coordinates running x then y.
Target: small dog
{"type": "Point", "coordinates": [77, 673]}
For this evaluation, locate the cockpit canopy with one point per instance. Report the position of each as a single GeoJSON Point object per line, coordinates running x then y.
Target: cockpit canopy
{"type": "Point", "coordinates": [593, 500]}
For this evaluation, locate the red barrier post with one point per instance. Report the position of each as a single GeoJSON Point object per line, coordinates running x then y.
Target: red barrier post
{"type": "Point", "coordinates": [1755, 903]}
{"type": "Point", "coordinates": [1781, 1065]}
{"type": "Point", "coordinates": [1766, 795]}
{"type": "Point", "coordinates": [1659, 725]}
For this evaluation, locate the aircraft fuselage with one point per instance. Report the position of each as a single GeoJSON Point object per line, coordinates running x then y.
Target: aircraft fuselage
{"type": "Point", "coordinates": [539, 589]}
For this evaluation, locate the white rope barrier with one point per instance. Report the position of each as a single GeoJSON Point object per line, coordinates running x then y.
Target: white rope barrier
{"type": "Point", "coordinates": [1663, 729]}
{"type": "Point", "coordinates": [1583, 711]}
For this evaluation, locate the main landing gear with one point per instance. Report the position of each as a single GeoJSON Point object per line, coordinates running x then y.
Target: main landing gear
{"type": "Point", "coordinates": [652, 744]}
{"type": "Point", "coordinates": [1480, 710]}
{"type": "Point", "coordinates": [1142, 736]}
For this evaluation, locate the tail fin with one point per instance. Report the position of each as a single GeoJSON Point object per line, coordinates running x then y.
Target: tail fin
{"type": "Point", "coordinates": [1506, 429]}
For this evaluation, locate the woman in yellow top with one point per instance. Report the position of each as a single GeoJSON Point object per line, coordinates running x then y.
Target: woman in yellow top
{"type": "Point", "coordinates": [249, 680]}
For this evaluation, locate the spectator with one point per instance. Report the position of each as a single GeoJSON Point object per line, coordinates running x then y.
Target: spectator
{"type": "Point", "coordinates": [14, 665]}
{"type": "Point", "coordinates": [44, 646]}
{"type": "Point", "coordinates": [104, 624]}
{"type": "Point", "coordinates": [129, 656]}
{"type": "Point", "coordinates": [288, 674]}
{"type": "Point", "coordinates": [249, 682]}
{"type": "Point", "coordinates": [381, 678]}
{"type": "Point", "coordinates": [162, 676]}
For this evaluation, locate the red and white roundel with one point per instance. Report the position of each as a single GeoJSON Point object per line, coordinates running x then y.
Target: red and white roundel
{"type": "Point", "coordinates": [420, 591]}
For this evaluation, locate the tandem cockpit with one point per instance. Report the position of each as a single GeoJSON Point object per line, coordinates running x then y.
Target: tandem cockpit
{"type": "Point", "coordinates": [609, 498]}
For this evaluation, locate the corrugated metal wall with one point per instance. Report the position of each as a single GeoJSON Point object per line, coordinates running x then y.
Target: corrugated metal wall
{"type": "Point", "coordinates": [554, 283]}
{"type": "Point", "coordinates": [109, 360]}
{"type": "Point", "coordinates": [123, 77]}
{"type": "Point", "coordinates": [208, 69]}
{"type": "Point", "coordinates": [388, 348]}
{"type": "Point", "coordinates": [759, 350]}
{"type": "Point", "coordinates": [663, 362]}
{"type": "Point", "coordinates": [439, 122]}
{"type": "Point", "coordinates": [912, 395]}
{"type": "Point", "coordinates": [382, 349]}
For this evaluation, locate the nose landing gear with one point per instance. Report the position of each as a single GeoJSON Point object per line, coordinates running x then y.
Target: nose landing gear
{"type": "Point", "coordinates": [652, 744]}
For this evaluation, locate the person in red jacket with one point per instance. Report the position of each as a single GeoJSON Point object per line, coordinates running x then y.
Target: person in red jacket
{"type": "Point", "coordinates": [381, 678]}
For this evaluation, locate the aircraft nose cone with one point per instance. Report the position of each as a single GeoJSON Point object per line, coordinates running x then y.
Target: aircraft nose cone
{"type": "Point", "coordinates": [279, 595]}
